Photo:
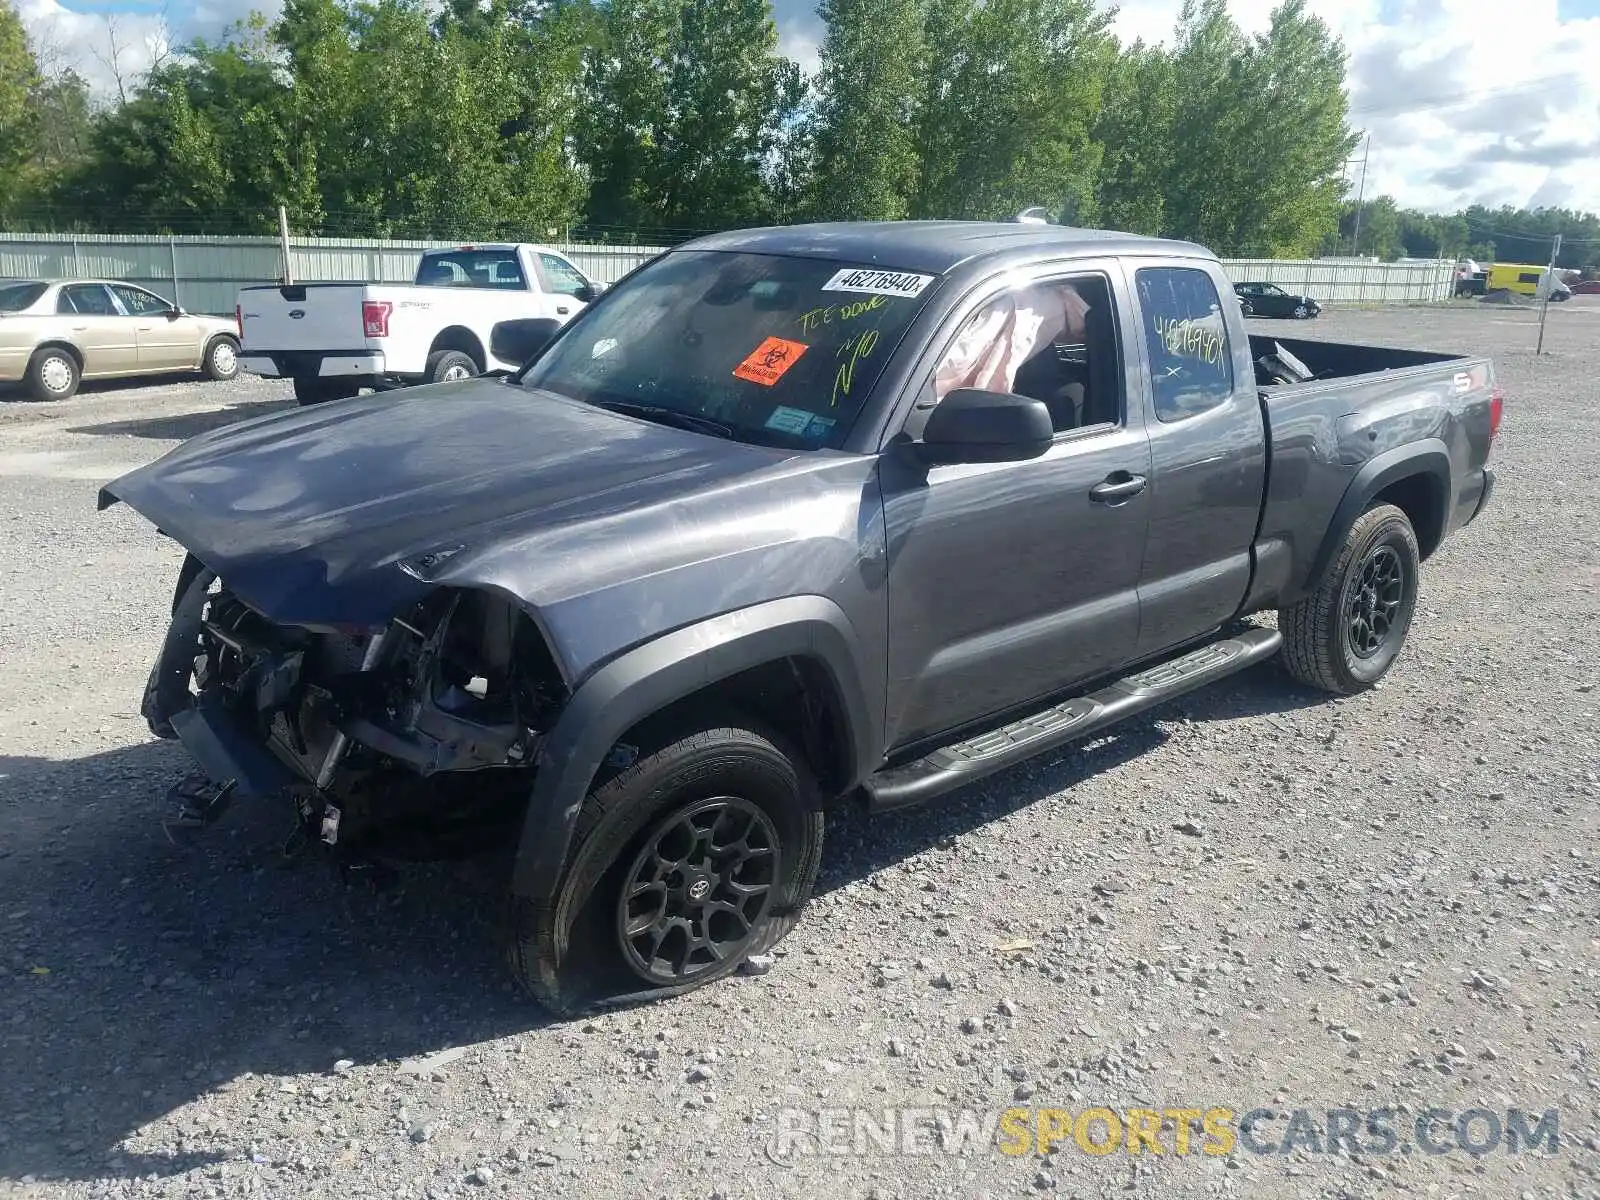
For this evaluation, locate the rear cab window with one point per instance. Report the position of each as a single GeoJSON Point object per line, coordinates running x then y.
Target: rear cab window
{"type": "Point", "coordinates": [1191, 359]}
{"type": "Point", "coordinates": [782, 351]}
{"type": "Point", "coordinates": [476, 268]}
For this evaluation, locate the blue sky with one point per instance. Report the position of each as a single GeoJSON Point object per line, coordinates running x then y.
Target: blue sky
{"type": "Point", "coordinates": [1466, 101]}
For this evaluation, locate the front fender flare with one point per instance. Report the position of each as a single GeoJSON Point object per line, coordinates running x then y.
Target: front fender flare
{"type": "Point", "coordinates": [634, 685]}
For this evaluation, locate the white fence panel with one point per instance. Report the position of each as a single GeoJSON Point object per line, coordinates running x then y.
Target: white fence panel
{"type": "Point", "coordinates": [204, 274]}
{"type": "Point", "coordinates": [1345, 281]}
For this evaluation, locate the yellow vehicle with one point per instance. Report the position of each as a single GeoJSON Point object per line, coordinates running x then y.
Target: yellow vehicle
{"type": "Point", "coordinates": [1522, 278]}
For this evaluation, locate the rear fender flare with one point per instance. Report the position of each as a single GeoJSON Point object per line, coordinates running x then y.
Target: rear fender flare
{"type": "Point", "coordinates": [645, 680]}
{"type": "Point", "coordinates": [1430, 457]}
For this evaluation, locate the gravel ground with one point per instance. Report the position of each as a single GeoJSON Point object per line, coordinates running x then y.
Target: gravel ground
{"type": "Point", "coordinates": [1253, 898]}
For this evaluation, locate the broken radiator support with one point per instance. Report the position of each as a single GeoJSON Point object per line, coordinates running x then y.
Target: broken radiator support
{"type": "Point", "coordinates": [340, 746]}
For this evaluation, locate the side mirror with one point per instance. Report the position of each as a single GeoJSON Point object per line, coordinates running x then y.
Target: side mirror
{"type": "Point", "coordinates": [521, 341]}
{"type": "Point", "coordinates": [975, 426]}
{"type": "Point", "coordinates": [175, 312]}
{"type": "Point", "coordinates": [589, 292]}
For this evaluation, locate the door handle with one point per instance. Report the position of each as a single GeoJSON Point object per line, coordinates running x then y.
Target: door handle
{"type": "Point", "coordinates": [1118, 486]}
{"type": "Point", "coordinates": [562, 310]}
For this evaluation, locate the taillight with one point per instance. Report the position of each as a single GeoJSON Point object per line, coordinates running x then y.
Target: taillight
{"type": "Point", "coordinates": [1497, 404]}
{"type": "Point", "coordinates": [375, 317]}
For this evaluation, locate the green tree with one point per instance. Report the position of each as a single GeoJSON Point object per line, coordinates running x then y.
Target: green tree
{"type": "Point", "coordinates": [868, 86]}
{"type": "Point", "coordinates": [64, 121]}
{"type": "Point", "coordinates": [1007, 118]}
{"type": "Point", "coordinates": [1206, 168]}
{"type": "Point", "coordinates": [729, 94]}
{"type": "Point", "coordinates": [1295, 140]}
{"type": "Point", "coordinates": [19, 116]}
{"type": "Point", "coordinates": [1135, 130]}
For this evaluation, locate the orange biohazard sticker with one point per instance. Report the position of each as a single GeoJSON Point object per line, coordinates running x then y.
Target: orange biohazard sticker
{"type": "Point", "coordinates": [767, 364]}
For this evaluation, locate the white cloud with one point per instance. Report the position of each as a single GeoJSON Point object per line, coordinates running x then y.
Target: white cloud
{"type": "Point", "coordinates": [1465, 103]}
{"type": "Point", "coordinates": [101, 39]}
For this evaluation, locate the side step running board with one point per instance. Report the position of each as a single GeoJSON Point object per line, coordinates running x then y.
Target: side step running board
{"type": "Point", "coordinates": [952, 766]}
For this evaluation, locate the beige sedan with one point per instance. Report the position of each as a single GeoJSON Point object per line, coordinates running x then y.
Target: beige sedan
{"type": "Point", "coordinates": [53, 335]}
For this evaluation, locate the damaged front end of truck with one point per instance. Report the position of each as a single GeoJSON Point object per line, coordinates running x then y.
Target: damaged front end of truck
{"type": "Point", "coordinates": [413, 739]}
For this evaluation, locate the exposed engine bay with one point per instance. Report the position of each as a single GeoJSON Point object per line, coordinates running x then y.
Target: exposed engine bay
{"type": "Point", "coordinates": [416, 741]}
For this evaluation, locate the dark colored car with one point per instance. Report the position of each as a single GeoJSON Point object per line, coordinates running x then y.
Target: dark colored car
{"type": "Point", "coordinates": [1270, 300]}
{"type": "Point", "coordinates": [787, 516]}
{"type": "Point", "coordinates": [1585, 287]}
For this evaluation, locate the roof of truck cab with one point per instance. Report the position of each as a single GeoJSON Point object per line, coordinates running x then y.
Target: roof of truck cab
{"type": "Point", "coordinates": [934, 247]}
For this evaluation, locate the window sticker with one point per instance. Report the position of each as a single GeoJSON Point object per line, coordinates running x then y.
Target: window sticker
{"type": "Point", "coordinates": [769, 361]}
{"type": "Point", "coordinates": [878, 283]}
{"type": "Point", "coordinates": [790, 420]}
{"type": "Point", "coordinates": [818, 429]}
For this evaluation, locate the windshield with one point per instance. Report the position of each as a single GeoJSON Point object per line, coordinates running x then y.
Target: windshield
{"type": "Point", "coordinates": [774, 350]}
{"type": "Point", "coordinates": [14, 297]}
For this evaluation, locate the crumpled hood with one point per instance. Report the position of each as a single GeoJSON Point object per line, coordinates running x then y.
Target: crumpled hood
{"type": "Point", "coordinates": [308, 514]}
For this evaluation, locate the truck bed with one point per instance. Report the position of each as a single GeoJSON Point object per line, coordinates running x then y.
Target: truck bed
{"type": "Point", "coordinates": [1342, 360]}
{"type": "Point", "coordinates": [1369, 413]}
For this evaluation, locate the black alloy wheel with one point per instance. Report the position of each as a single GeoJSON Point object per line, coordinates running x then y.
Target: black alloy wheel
{"type": "Point", "coordinates": [698, 891]}
{"type": "Point", "coordinates": [1375, 599]}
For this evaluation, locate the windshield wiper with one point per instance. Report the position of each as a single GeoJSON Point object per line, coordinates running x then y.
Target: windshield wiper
{"type": "Point", "coordinates": [668, 416]}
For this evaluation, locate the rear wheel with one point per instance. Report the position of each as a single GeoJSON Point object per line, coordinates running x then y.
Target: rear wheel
{"type": "Point", "coordinates": [449, 366]}
{"type": "Point", "coordinates": [315, 389]}
{"type": "Point", "coordinates": [53, 374]}
{"type": "Point", "coordinates": [1346, 635]}
{"type": "Point", "coordinates": [701, 854]}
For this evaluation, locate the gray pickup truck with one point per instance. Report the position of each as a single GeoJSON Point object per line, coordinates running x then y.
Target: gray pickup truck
{"type": "Point", "coordinates": [787, 516]}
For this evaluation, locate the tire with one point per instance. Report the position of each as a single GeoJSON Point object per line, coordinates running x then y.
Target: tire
{"type": "Point", "coordinates": [1301, 312]}
{"type": "Point", "coordinates": [222, 359]}
{"type": "Point", "coordinates": [53, 374]}
{"type": "Point", "coordinates": [1371, 585]}
{"type": "Point", "coordinates": [167, 690]}
{"type": "Point", "coordinates": [450, 366]}
{"type": "Point", "coordinates": [1247, 308]}
{"type": "Point", "coordinates": [566, 950]}
{"type": "Point", "coordinates": [313, 389]}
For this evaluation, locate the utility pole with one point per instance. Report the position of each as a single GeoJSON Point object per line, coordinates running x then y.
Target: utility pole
{"type": "Point", "coordinates": [1549, 286]}
{"type": "Point", "coordinates": [283, 244]}
{"type": "Point", "coordinates": [1361, 190]}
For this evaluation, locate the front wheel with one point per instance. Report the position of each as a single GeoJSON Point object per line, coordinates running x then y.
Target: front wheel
{"type": "Point", "coordinates": [1247, 308]}
{"type": "Point", "coordinates": [1345, 636]}
{"type": "Point", "coordinates": [701, 854]}
{"type": "Point", "coordinates": [1301, 312]}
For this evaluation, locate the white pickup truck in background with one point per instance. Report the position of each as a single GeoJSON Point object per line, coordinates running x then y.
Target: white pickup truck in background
{"type": "Point", "coordinates": [333, 339]}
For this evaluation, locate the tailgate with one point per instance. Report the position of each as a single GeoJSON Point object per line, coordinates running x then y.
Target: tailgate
{"type": "Point", "coordinates": [302, 316]}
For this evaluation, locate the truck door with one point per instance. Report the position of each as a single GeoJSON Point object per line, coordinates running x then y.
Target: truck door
{"type": "Point", "coordinates": [567, 288]}
{"type": "Point", "coordinates": [1010, 581]}
{"type": "Point", "coordinates": [1208, 455]}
